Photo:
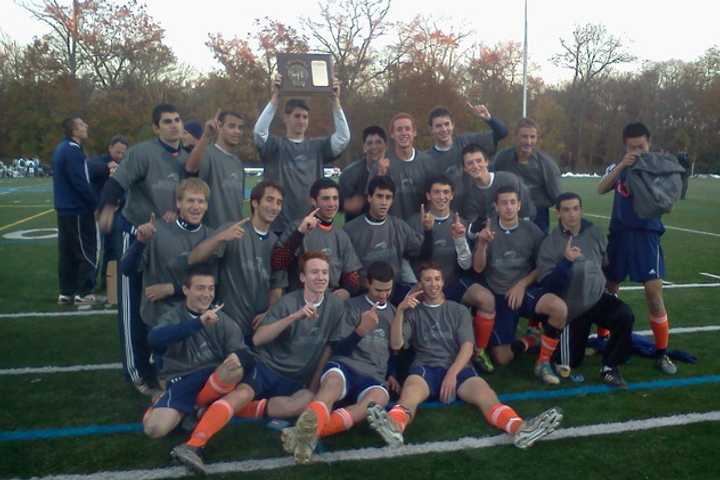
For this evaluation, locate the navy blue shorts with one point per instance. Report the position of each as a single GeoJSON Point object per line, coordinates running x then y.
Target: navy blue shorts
{"type": "Point", "coordinates": [457, 289]}
{"type": "Point", "coordinates": [181, 392]}
{"type": "Point", "coordinates": [267, 383]}
{"type": "Point", "coordinates": [634, 253]}
{"type": "Point", "coordinates": [355, 386]}
{"type": "Point", "coordinates": [434, 377]}
{"type": "Point", "coordinates": [506, 319]}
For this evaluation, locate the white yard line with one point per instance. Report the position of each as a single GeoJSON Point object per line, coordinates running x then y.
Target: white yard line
{"type": "Point", "coordinates": [75, 313]}
{"type": "Point", "coordinates": [674, 285]}
{"type": "Point", "coordinates": [668, 227]}
{"type": "Point", "coordinates": [407, 450]}
{"type": "Point", "coordinates": [716, 277]}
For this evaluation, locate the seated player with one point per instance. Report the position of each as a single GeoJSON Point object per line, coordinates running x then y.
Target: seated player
{"type": "Point", "coordinates": [355, 374]}
{"type": "Point", "coordinates": [199, 353]}
{"type": "Point", "coordinates": [440, 331]}
{"type": "Point", "coordinates": [570, 263]}
{"type": "Point", "coordinates": [290, 344]}
{"type": "Point", "coordinates": [505, 254]}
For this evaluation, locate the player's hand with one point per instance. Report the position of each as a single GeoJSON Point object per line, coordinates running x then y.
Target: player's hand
{"type": "Point", "coordinates": [159, 291]}
{"type": "Point", "coordinates": [427, 218]}
{"type": "Point", "coordinates": [369, 321]}
{"type": "Point", "coordinates": [479, 111]}
{"type": "Point", "coordinates": [515, 296]}
{"type": "Point", "coordinates": [210, 317]}
{"type": "Point", "coordinates": [230, 370]}
{"type": "Point", "coordinates": [629, 159]}
{"type": "Point", "coordinates": [146, 231]}
{"type": "Point", "coordinates": [170, 216]}
{"type": "Point", "coordinates": [457, 229]}
{"type": "Point", "coordinates": [309, 223]}
{"type": "Point", "coordinates": [393, 385]}
{"type": "Point", "coordinates": [411, 300]}
{"type": "Point", "coordinates": [257, 320]}
{"type": "Point", "coordinates": [487, 234]}
{"type": "Point", "coordinates": [212, 126]}
{"type": "Point", "coordinates": [111, 167]}
{"type": "Point", "coordinates": [335, 92]}
{"type": "Point", "coordinates": [234, 231]}
{"type": "Point", "coordinates": [383, 166]}
{"type": "Point", "coordinates": [308, 311]}
{"type": "Point", "coordinates": [448, 388]}
{"type": "Point", "coordinates": [572, 253]}
{"type": "Point", "coordinates": [277, 83]}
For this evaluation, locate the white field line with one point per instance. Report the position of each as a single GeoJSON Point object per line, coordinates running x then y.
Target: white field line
{"type": "Point", "coordinates": [407, 450]}
{"type": "Point", "coordinates": [716, 277]}
{"type": "Point", "coordinates": [674, 285]}
{"type": "Point", "coordinates": [77, 313]}
{"type": "Point", "coordinates": [668, 227]}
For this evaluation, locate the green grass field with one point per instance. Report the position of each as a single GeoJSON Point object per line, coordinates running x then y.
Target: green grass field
{"type": "Point", "coordinates": [32, 402]}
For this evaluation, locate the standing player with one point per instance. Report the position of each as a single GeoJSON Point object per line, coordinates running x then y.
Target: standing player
{"type": "Point", "coordinates": [440, 332]}
{"type": "Point", "coordinates": [221, 168]}
{"type": "Point", "coordinates": [354, 177]}
{"type": "Point", "coordinates": [506, 252]}
{"type": "Point", "coordinates": [75, 202]}
{"type": "Point", "coordinates": [200, 353]}
{"type": "Point", "coordinates": [149, 173]}
{"type": "Point", "coordinates": [446, 151]}
{"type": "Point", "coordinates": [247, 283]}
{"type": "Point", "coordinates": [293, 161]}
{"type": "Point", "coordinates": [536, 168]}
{"type": "Point", "coordinates": [634, 248]}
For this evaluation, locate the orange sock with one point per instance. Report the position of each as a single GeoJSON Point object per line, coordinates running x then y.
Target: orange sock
{"type": "Point", "coordinates": [483, 325]}
{"type": "Point", "coordinates": [340, 421]}
{"type": "Point", "coordinates": [661, 330]}
{"type": "Point", "coordinates": [213, 389]}
{"type": "Point", "coordinates": [400, 415]}
{"type": "Point", "coordinates": [503, 417]}
{"type": "Point", "coordinates": [254, 409]}
{"type": "Point", "coordinates": [216, 417]}
{"type": "Point", "coordinates": [321, 413]}
{"type": "Point", "coordinates": [547, 347]}
{"type": "Point", "coordinates": [603, 332]}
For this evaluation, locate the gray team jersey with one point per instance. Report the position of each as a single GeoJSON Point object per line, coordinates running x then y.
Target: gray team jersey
{"type": "Point", "coordinates": [224, 173]}
{"type": "Point", "coordinates": [370, 356]}
{"type": "Point", "coordinates": [246, 277]}
{"type": "Point", "coordinates": [541, 174]}
{"type": "Point", "coordinates": [295, 353]}
{"type": "Point", "coordinates": [587, 280]}
{"type": "Point", "coordinates": [333, 242]}
{"type": "Point", "coordinates": [442, 160]}
{"type": "Point", "coordinates": [387, 241]}
{"type": "Point", "coordinates": [206, 348]}
{"type": "Point", "coordinates": [354, 179]}
{"type": "Point", "coordinates": [149, 174]}
{"type": "Point", "coordinates": [474, 201]}
{"type": "Point", "coordinates": [512, 255]}
{"type": "Point", "coordinates": [443, 250]}
{"type": "Point", "coordinates": [410, 178]}
{"type": "Point", "coordinates": [436, 333]}
{"type": "Point", "coordinates": [295, 166]}
{"type": "Point", "coordinates": [165, 261]}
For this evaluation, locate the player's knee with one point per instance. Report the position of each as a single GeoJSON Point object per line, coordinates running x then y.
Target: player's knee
{"type": "Point", "coordinates": [154, 429]}
{"type": "Point", "coordinates": [377, 395]}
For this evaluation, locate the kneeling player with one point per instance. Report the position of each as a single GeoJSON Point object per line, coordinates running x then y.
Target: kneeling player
{"type": "Point", "coordinates": [440, 332]}
{"type": "Point", "coordinates": [189, 342]}
{"type": "Point", "coordinates": [355, 373]}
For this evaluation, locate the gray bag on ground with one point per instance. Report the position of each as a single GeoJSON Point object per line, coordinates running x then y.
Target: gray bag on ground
{"type": "Point", "coordinates": [655, 181]}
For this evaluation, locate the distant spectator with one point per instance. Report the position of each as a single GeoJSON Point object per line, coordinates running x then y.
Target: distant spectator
{"type": "Point", "coordinates": [685, 163]}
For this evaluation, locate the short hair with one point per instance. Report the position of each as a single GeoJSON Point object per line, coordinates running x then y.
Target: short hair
{"type": "Point", "coordinates": [322, 184]}
{"type": "Point", "coordinates": [311, 255]}
{"type": "Point", "coordinates": [380, 271]}
{"type": "Point", "coordinates": [198, 270]}
{"type": "Point", "coordinates": [192, 184]}
{"type": "Point", "coordinates": [119, 139]}
{"type": "Point", "coordinates": [634, 130]}
{"type": "Point", "coordinates": [438, 112]}
{"type": "Point", "coordinates": [474, 148]}
{"type": "Point", "coordinates": [230, 113]}
{"type": "Point", "coordinates": [374, 130]}
{"type": "Point", "coordinates": [430, 265]}
{"type": "Point", "coordinates": [380, 182]}
{"type": "Point", "coordinates": [506, 189]}
{"type": "Point", "coordinates": [259, 190]}
{"type": "Point", "coordinates": [526, 122]}
{"type": "Point", "coordinates": [159, 110]}
{"type": "Point", "coordinates": [68, 126]}
{"type": "Point", "coordinates": [438, 179]}
{"type": "Point", "coordinates": [400, 116]}
{"type": "Point", "coordinates": [294, 103]}
{"type": "Point", "coordinates": [566, 196]}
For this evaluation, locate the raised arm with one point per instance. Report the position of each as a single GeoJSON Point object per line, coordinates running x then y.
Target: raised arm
{"type": "Point", "coordinates": [261, 132]}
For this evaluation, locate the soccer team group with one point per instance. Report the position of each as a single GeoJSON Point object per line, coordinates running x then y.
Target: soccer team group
{"type": "Point", "coordinates": [285, 314]}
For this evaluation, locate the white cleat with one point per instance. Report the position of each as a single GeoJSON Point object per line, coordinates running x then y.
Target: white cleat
{"type": "Point", "coordinates": [384, 426]}
{"type": "Point", "coordinates": [305, 436]}
{"type": "Point", "coordinates": [536, 428]}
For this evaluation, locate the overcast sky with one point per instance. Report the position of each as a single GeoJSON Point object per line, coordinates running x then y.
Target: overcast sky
{"type": "Point", "coordinates": [652, 30]}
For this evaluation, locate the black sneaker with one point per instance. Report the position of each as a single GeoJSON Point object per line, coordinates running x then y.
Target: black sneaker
{"type": "Point", "coordinates": [612, 378]}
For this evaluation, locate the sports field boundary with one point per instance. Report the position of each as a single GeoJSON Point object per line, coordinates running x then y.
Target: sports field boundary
{"type": "Point", "coordinates": [667, 227]}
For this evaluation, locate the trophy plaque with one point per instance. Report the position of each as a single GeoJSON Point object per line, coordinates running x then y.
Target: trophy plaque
{"type": "Point", "coordinates": [305, 73]}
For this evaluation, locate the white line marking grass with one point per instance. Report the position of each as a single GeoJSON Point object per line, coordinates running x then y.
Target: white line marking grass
{"type": "Point", "coordinates": [74, 313]}
{"type": "Point", "coordinates": [407, 450]}
{"type": "Point", "coordinates": [668, 227]}
{"type": "Point", "coordinates": [716, 277]}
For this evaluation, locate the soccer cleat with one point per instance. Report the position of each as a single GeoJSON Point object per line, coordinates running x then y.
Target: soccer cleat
{"type": "Point", "coordinates": [612, 378]}
{"type": "Point", "coordinates": [665, 365]}
{"type": "Point", "coordinates": [305, 436]}
{"type": "Point", "coordinates": [65, 299]}
{"type": "Point", "coordinates": [88, 299]}
{"type": "Point", "coordinates": [482, 361]}
{"type": "Point", "coordinates": [537, 427]}
{"type": "Point", "coordinates": [287, 437]}
{"type": "Point", "coordinates": [545, 373]}
{"type": "Point", "coordinates": [190, 457]}
{"type": "Point", "coordinates": [381, 422]}
{"type": "Point", "coordinates": [563, 371]}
